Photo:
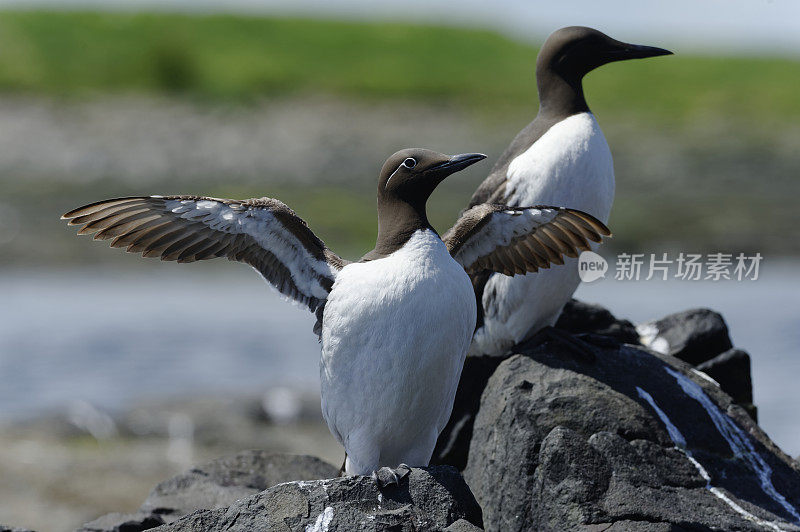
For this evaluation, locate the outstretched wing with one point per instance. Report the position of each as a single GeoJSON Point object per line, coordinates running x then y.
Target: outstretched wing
{"type": "Point", "coordinates": [264, 233]}
{"type": "Point", "coordinates": [511, 240]}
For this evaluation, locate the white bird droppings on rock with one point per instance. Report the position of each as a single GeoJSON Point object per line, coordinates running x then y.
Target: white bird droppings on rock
{"type": "Point", "coordinates": [323, 521]}
{"type": "Point", "coordinates": [705, 376]}
{"type": "Point", "coordinates": [739, 442]}
{"type": "Point", "coordinates": [680, 444]}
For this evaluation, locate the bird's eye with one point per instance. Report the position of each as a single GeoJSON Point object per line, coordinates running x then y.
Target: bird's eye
{"type": "Point", "coordinates": [410, 163]}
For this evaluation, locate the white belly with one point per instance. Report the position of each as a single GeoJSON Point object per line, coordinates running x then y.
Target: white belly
{"type": "Point", "coordinates": [569, 166]}
{"type": "Point", "coordinates": [394, 336]}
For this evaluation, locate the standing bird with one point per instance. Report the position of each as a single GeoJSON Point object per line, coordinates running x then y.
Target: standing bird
{"type": "Point", "coordinates": [561, 158]}
{"type": "Point", "coordinates": [394, 326]}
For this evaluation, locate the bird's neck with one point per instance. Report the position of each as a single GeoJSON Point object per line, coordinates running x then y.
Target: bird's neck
{"type": "Point", "coordinates": [560, 96]}
{"type": "Point", "coordinates": [397, 222]}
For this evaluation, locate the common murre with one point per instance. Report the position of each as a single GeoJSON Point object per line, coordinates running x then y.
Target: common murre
{"type": "Point", "coordinates": [394, 326]}
{"type": "Point", "coordinates": [560, 158]}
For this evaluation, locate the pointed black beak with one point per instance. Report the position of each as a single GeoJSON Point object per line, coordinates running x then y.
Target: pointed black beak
{"type": "Point", "coordinates": [458, 162]}
{"type": "Point", "coordinates": [635, 51]}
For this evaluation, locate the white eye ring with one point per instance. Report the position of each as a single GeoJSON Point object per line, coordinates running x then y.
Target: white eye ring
{"type": "Point", "coordinates": [410, 163]}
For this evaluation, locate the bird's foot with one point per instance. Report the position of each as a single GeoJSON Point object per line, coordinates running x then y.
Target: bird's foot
{"type": "Point", "coordinates": [579, 347]}
{"type": "Point", "coordinates": [386, 476]}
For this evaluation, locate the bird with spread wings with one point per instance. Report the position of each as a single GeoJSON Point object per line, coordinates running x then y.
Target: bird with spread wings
{"type": "Point", "coordinates": [394, 326]}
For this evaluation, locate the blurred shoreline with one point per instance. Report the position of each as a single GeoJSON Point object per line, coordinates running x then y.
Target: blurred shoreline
{"type": "Point", "coordinates": [60, 471]}
{"type": "Point", "coordinates": [696, 189]}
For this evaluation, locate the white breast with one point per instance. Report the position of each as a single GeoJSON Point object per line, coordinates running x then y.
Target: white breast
{"type": "Point", "coordinates": [569, 166]}
{"type": "Point", "coordinates": [394, 336]}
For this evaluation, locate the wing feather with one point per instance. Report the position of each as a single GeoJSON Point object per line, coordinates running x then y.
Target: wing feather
{"type": "Point", "coordinates": [577, 240]}
{"type": "Point", "coordinates": [586, 230]}
{"type": "Point", "coordinates": [519, 240]}
{"type": "Point", "coordinates": [563, 244]}
{"type": "Point", "coordinates": [263, 233]}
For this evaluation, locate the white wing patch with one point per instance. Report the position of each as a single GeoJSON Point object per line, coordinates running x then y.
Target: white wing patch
{"type": "Point", "coordinates": [507, 240]}
{"type": "Point", "coordinates": [272, 235]}
{"type": "Point", "coordinates": [499, 232]}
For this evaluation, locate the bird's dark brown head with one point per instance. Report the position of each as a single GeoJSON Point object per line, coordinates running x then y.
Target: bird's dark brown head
{"type": "Point", "coordinates": [577, 50]}
{"type": "Point", "coordinates": [411, 175]}
{"type": "Point", "coordinates": [407, 180]}
{"type": "Point", "coordinates": [570, 53]}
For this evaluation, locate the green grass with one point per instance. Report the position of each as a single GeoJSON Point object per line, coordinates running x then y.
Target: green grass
{"type": "Point", "coordinates": [233, 58]}
{"type": "Point", "coordinates": [239, 57]}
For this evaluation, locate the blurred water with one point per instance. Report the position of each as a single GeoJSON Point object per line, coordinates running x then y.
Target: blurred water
{"type": "Point", "coordinates": [112, 338]}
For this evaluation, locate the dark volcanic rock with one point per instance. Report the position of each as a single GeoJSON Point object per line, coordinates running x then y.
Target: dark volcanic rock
{"type": "Point", "coordinates": [693, 336]}
{"type": "Point", "coordinates": [462, 525]}
{"type": "Point", "coordinates": [4, 528]}
{"type": "Point", "coordinates": [123, 523]}
{"type": "Point", "coordinates": [700, 337]}
{"type": "Point", "coordinates": [731, 370]}
{"type": "Point", "coordinates": [219, 483]}
{"type": "Point", "coordinates": [428, 499]}
{"type": "Point", "coordinates": [578, 317]}
{"type": "Point", "coordinates": [622, 443]}
{"type": "Point", "coordinates": [254, 491]}
{"type": "Point", "coordinates": [200, 521]}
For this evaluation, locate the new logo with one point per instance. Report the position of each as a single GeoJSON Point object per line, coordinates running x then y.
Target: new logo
{"type": "Point", "coordinates": [591, 266]}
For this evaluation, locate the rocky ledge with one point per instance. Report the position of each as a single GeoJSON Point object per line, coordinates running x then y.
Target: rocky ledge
{"type": "Point", "coordinates": [633, 438]}
{"type": "Point", "coordinates": [630, 441]}
{"type": "Point", "coordinates": [655, 431]}
{"type": "Point", "coordinates": [254, 491]}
